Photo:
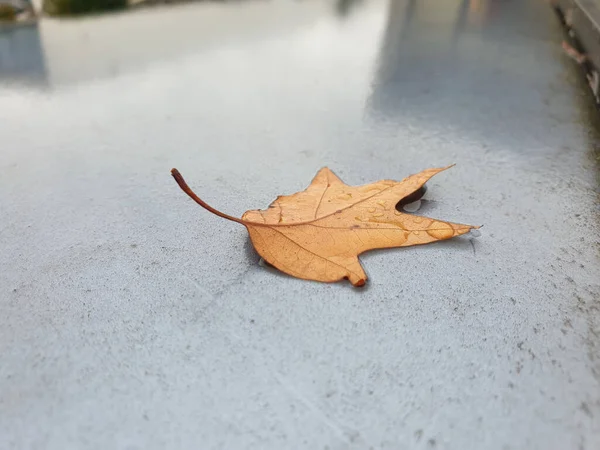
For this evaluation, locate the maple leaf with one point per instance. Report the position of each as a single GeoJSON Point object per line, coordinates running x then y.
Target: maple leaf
{"type": "Point", "coordinates": [317, 234]}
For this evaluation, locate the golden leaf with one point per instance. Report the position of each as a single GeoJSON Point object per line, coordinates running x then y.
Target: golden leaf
{"type": "Point", "coordinates": [317, 234]}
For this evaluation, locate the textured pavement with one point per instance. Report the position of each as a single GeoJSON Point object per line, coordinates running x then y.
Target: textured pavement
{"type": "Point", "coordinates": [130, 318]}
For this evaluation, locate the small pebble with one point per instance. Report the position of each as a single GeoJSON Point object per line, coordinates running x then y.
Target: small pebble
{"type": "Point", "coordinates": [474, 233]}
{"type": "Point", "coordinates": [412, 207]}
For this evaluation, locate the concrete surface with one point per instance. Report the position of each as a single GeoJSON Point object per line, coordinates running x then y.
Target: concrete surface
{"type": "Point", "coordinates": [132, 319]}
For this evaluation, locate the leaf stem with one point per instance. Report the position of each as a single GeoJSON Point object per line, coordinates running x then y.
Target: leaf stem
{"type": "Point", "coordinates": [185, 188]}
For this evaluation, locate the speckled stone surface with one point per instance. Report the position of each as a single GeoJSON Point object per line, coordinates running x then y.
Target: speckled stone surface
{"type": "Point", "coordinates": [130, 318]}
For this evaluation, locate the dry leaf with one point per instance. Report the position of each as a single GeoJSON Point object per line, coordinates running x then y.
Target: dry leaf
{"type": "Point", "coordinates": [317, 234]}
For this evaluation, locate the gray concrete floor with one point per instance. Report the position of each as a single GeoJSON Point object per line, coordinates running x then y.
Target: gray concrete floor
{"type": "Point", "coordinates": [132, 319]}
